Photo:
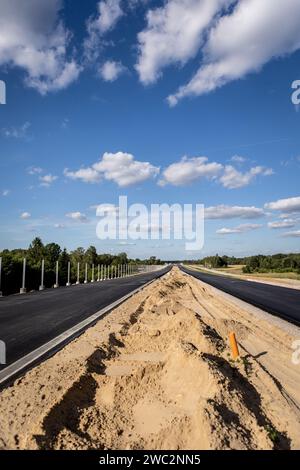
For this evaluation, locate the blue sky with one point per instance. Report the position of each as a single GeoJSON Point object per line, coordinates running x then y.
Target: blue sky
{"type": "Point", "coordinates": [156, 101]}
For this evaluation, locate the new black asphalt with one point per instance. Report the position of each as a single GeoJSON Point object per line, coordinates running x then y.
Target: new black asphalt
{"type": "Point", "coordinates": [29, 321]}
{"type": "Point", "coordinates": [280, 301]}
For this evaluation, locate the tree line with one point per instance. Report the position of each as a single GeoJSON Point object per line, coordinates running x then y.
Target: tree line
{"type": "Point", "coordinates": [279, 263]}
{"type": "Point", "coordinates": [51, 253]}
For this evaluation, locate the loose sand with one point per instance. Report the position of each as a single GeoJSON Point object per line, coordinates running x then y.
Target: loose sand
{"type": "Point", "coordinates": [156, 373]}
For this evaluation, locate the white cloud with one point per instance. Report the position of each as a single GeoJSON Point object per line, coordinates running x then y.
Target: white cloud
{"type": "Point", "coordinates": [111, 70]}
{"type": "Point", "coordinates": [135, 3]}
{"type": "Point", "coordinates": [16, 132]}
{"type": "Point", "coordinates": [233, 212]}
{"type": "Point", "coordinates": [35, 170]}
{"type": "Point", "coordinates": [240, 229]}
{"type": "Point", "coordinates": [65, 123]}
{"type": "Point", "coordinates": [108, 14]}
{"type": "Point", "coordinates": [174, 34]}
{"type": "Point", "coordinates": [243, 41]}
{"type": "Point", "coordinates": [119, 167]}
{"type": "Point", "coordinates": [33, 39]}
{"type": "Point", "coordinates": [286, 223]}
{"type": "Point", "coordinates": [295, 234]}
{"type": "Point", "coordinates": [238, 159]}
{"type": "Point", "coordinates": [59, 226]}
{"type": "Point", "coordinates": [5, 192]}
{"type": "Point", "coordinates": [47, 180]}
{"type": "Point", "coordinates": [234, 179]}
{"type": "Point", "coordinates": [77, 216]}
{"type": "Point", "coordinates": [188, 170]}
{"type": "Point", "coordinates": [87, 175]}
{"type": "Point", "coordinates": [288, 205]}
{"type": "Point", "coordinates": [25, 215]}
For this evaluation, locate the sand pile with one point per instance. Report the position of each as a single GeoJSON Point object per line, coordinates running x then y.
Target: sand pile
{"type": "Point", "coordinates": [157, 374]}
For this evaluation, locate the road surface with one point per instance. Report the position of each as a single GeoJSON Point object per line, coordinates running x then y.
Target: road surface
{"type": "Point", "coordinates": [279, 301]}
{"type": "Point", "coordinates": [29, 321]}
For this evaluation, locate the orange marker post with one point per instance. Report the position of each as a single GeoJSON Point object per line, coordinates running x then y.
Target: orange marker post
{"type": "Point", "coordinates": [234, 346]}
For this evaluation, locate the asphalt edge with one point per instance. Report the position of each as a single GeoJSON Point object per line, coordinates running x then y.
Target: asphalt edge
{"type": "Point", "coordinates": [18, 368]}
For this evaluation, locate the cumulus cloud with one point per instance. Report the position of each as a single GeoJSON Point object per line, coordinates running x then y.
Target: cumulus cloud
{"type": "Point", "coordinates": [244, 228]}
{"type": "Point", "coordinates": [234, 179]}
{"type": "Point", "coordinates": [120, 167]}
{"type": "Point", "coordinates": [87, 175]}
{"type": "Point", "coordinates": [35, 170]}
{"type": "Point", "coordinates": [286, 223]}
{"type": "Point", "coordinates": [20, 132]}
{"type": "Point", "coordinates": [244, 40]}
{"type": "Point", "coordinates": [188, 170]}
{"type": "Point", "coordinates": [108, 14]}
{"type": "Point", "coordinates": [233, 212]}
{"type": "Point", "coordinates": [5, 192]}
{"type": "Point", "coordinates": [77, 216]}
{"type": "Point", "coordinates": [295, 234]}
{"type": "Point", "coordinates": [25, 215]}
{"type": "Point", "coordinates": [174, 34]}
{"type": "Point", "coordinates": [288, 205]}
{"type": "Point", "coordinates": [238, 159]}
{"type": "Point", "coordinates": [111, 70]}
{"type": "Point", "coordinates": [47, 180]}
{"type": "Point", "coordinates": [33, 38]}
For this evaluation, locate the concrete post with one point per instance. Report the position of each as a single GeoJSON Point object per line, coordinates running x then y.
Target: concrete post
{"type": "Point", "coordinates": [23, 288]}
{"type": "Point", "coordinates": [101, 272]}
{"type": "Point", "coordinates": [56, 285]}
{"type": "Point", "coordinates": [98, 278]}
{"type": "Point", "coordinates": [42, 287]}
{"type": "Point", "coordinates": [69, 275]}
{"type": "Point", "coordinates": [104, 278]}
{"type": "Point", "coordinates": [86, 274]}
{"type": "Point", "coordinates": [93, 273]}
{"type": "Point", "coordinates": [0, 276]}
{"type": "Point", "coordinates": [78, 274]}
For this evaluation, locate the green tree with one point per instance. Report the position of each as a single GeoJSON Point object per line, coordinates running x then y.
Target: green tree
{"type": "Point", "coordinates": [36, 252]}
{"type": "Point", "coordinates": [91, 256]}
{"type": "Point", "coordinates": [64, 258]}
{"type": "Point", "coordinates": [52, 252]}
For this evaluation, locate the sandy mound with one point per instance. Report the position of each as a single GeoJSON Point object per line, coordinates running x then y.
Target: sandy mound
{"type": "Point", "coordinates": [156, 374]}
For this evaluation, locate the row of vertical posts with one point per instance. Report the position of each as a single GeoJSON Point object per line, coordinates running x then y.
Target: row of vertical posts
{"type": "Point", "coordinates": [104, 273]}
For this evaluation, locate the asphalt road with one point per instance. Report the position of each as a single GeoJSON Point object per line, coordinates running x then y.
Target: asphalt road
{"type": "Point", "coordinates": [31, 320]}
{"type": "Point", "coordinates": [279, 301]}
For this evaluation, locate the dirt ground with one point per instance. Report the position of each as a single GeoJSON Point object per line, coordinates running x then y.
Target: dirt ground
{"type": "Point", "coordinates": [157, 373]}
